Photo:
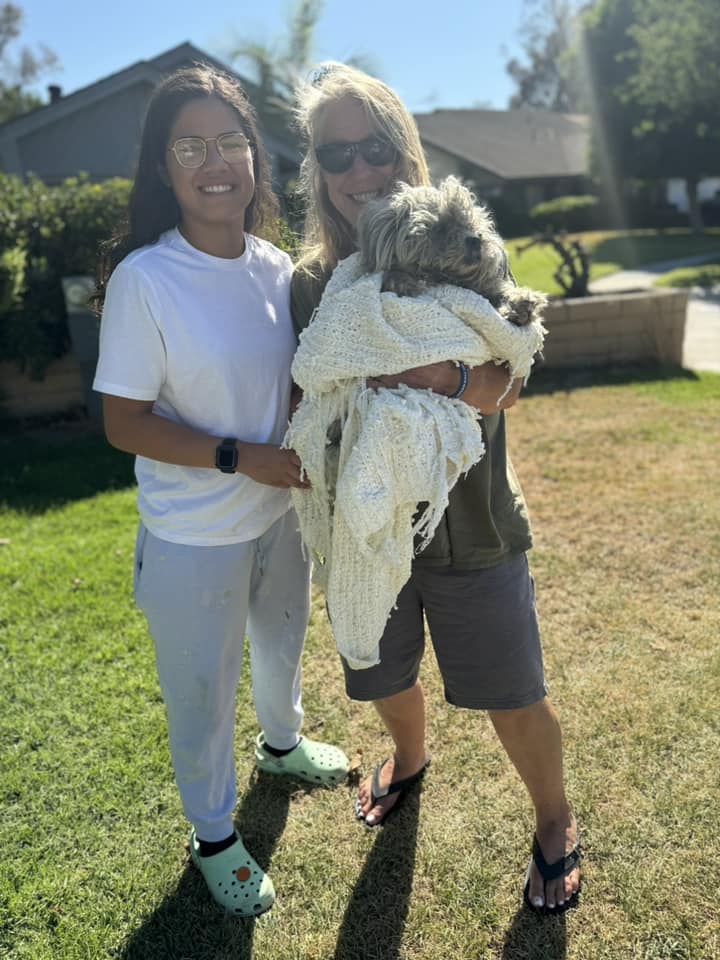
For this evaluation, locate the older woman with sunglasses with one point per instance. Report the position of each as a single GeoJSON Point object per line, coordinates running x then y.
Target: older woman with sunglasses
{"type": "Point", "coordinates": [472, 582]}
{"type": "Point", "coordinates": [195, 351]}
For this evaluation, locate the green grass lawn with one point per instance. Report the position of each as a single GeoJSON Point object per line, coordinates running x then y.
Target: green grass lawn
{"type": "Point", "coordinates": [610, 252]}
{"type": "Point", "coordinates": [620, 473]}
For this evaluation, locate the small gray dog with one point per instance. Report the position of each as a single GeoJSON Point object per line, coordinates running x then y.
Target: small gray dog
{"type": "Point", "coordinates": [421, 237]}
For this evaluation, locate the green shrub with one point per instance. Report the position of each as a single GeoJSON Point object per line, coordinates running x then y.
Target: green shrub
{"type": "Point", "coordinates": [641, 212]}
{"type": "Point", "coordinates": [575, 214]}
{"type": "Point", "coordinates": [50, 232]}
{"type": "Point", "coordinates": [13, 271]}
{"type": "Point", "coordinates": [511, 219]}
{"type": "Point", "coordinates": [287, 238]}
{"type": "Point", "coordinates": [706, 275]}
{"type": "Point", "coordinates": [59, 230]}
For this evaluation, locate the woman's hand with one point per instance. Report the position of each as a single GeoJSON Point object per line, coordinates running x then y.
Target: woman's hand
{"type": "Point", "coordinates": [271, 465]}
{"type": "Point", "coordinates": [442, 377]}
{"type": "Point", "coordinates": [296, 395]}
{"type": "Point", "coordinates": [486, 383]}
{"type": "Point", "coordinates": [131, 425]}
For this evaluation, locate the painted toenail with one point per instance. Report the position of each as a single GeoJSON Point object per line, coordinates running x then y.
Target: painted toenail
{"type": "Point", "coordinates": [538, 901]}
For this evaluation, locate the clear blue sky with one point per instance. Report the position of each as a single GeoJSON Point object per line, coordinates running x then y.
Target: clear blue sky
{"type": "Point", "coordinates": [435, 53]}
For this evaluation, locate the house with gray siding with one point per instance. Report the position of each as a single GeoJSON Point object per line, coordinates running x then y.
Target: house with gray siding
{"type": "Point", "coordinates": [97, 129]}
{"type": "Point", "coordinates": [514, 159]}
{"type": "Point", "coordinates": [518, 158]}
{"type": "Point", "coordinates": [522, 156]}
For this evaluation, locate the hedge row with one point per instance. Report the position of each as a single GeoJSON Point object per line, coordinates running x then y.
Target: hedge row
{"type": "Point", "coordinates": [47, 233]}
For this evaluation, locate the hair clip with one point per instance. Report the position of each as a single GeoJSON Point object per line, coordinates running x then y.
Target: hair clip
{"type": "Point", "coordinates": [319, 74]}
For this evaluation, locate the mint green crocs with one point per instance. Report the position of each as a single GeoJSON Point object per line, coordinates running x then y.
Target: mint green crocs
{"type": "Point", "coordinates": [318, 763]}
{"type": "Point", "coordinates": [235, 880]}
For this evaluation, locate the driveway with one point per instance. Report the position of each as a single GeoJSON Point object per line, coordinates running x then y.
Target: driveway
{"type": "Point", "coordinates": [701, 348]}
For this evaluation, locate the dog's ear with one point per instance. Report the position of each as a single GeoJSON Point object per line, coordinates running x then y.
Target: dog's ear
{"type": "Point", "coordinates": [473, 249]}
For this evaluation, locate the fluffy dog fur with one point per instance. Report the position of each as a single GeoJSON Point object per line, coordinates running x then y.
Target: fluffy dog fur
{"type": "Point", "coordinates": [421, 237]}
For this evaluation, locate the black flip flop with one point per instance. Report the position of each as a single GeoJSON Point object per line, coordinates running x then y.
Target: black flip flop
{"type": "Point", "coordinates": [377, 792]}
{"type": "Point", "coordinates": [551, 871]}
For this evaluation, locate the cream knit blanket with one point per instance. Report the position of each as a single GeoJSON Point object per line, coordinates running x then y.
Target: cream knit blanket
{"type": "Point", "coordinates": [398, 448]}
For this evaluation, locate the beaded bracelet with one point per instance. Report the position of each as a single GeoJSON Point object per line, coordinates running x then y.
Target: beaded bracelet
{"type": "Point", "coordinates": [464, 378]}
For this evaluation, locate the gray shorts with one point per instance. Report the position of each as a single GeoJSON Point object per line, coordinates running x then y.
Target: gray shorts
{"type": "Point", "coordinates": [484, 629]}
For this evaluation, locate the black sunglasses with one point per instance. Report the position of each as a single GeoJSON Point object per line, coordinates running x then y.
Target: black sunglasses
{"type": "Point", "coordinates": [339, 157]}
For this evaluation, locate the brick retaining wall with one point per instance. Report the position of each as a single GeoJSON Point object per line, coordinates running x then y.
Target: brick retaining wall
{"type": "Point", "coordinates": [60, 390]}
{"type": "Point", "coordinates": [616, 328]}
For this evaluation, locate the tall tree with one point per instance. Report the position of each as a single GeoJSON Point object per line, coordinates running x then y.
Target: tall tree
{"type": "Point", "coordinates": [17, 73]}
{"type": "Point", "coordinates": [278, 67]}
{"type": "Point", "coordinates": [546, 75]}
{"type": "Point", "coordinates": [654, 78]}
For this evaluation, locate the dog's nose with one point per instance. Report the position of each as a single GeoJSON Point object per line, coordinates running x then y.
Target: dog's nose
{"type": "Point", "coordinates": [473, 249]}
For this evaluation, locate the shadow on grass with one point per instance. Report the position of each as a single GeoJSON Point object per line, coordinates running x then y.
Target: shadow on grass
{"type": "Point", "coordinates": [376, 913]}
{"type": "Point", "coordinates": [45, 467]}
{"type": "Point", "coordinates": [187, 924]}
{"type": "Point", "coordinates": [535, 938]}
{"type": "Point", "coordinates": [546, 380]}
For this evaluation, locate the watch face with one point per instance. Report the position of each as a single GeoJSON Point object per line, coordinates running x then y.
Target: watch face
{"type": "Point", "coordinates": [226, 456]}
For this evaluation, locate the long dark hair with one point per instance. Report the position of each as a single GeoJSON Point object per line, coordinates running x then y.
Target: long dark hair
{"type": "Point", "coordinates": [152, 208]}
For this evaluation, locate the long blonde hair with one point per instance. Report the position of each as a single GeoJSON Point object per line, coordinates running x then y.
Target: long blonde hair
{"type": "Point", "coordinates": [328, 237]}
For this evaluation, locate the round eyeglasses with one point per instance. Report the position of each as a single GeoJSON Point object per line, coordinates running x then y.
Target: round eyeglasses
{"type": "Point", "coordinates": [339, 157]}
{"type": "Point", "coordinates": [192, 151]}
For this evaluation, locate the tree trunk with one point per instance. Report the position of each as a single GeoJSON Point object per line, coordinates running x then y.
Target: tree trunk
{"type": "Point", "coordinates": [696, 220]}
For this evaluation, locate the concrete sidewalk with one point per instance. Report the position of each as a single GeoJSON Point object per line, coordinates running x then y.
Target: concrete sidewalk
{"type": "Point", "coordinates": [701, 347]}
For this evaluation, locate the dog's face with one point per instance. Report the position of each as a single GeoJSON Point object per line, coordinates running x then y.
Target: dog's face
{"type": "Point", "coordinates": [437, 234]}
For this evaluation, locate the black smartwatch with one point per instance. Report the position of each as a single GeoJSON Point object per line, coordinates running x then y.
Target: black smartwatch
{"type": "Point", "coordinates": [226, 455]}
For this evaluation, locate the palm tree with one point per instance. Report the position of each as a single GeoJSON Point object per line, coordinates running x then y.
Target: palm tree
{"type": "Point", "coordinates": [278, 68]}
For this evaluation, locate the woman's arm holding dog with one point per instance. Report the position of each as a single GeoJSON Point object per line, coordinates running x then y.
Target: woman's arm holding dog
{"type": "Point", "coordinates": [486, 383]}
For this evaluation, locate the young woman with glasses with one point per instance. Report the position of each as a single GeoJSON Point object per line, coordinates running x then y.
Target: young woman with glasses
{"type": "Point", "coordinates": [472, 582]}
{"type": "Point", "coordinates": [195, 351]}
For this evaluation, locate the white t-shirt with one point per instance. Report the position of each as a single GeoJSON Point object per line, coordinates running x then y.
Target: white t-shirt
{"type": "Point", "coordinates": [210, 341]}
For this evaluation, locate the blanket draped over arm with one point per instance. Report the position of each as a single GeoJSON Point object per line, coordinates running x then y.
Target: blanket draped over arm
{"type": "Point", "coordinates": [397, 448]}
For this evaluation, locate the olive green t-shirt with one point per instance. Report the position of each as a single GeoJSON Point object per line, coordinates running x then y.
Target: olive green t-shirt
{"type": "Point", "coordinates": [486, 519]}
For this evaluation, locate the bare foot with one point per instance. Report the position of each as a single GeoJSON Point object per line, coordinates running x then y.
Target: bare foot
{"type": "Point", "coordinates": [556, 838]}
{"type": "Point", "coordinates": [392, 770]}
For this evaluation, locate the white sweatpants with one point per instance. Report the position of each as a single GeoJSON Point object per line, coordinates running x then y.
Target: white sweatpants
{"type": "Point", "coordinates": [198, 601]}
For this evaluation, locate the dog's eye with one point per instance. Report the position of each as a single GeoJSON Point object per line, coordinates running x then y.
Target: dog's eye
{"type": "Point", "coordinates": [473, 248]}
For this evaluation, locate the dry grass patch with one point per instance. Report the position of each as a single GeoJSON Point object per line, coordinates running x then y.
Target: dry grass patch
{"type": "Point", "coordinates": [621, 482]}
